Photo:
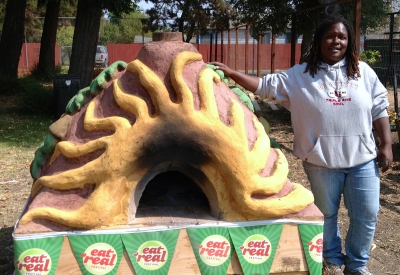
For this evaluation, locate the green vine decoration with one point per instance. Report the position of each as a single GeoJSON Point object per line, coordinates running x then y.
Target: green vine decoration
{"type": "Point", "coordinates": [244, 98]}
{"type": "Point", "coordinates": [75, 104]}
{"type": "Point", "coordinates": [86, 94]}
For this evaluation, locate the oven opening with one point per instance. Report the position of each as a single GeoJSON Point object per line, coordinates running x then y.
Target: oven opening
{"type": "Point", "coordinates": [172, 198]}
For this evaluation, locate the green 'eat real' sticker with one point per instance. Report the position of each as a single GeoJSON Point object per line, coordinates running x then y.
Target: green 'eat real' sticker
{"type": "Point", "coordinates": [151, 252]}
{"type": "Point", "coordinates": [37, 256]}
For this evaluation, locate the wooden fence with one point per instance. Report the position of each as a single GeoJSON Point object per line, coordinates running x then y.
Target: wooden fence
{"type": "Point", "coordinates": [242, 57]}
{"type": "Point", "coordinates": [30, 57]}
{"type": "Point", "coordinates": [232, 55]}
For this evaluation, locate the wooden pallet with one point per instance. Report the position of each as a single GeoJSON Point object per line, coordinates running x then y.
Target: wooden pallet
{"type": "Point", "coordinates": [289, 259]}
{"type": "Point", "coordinates": [158, 212]}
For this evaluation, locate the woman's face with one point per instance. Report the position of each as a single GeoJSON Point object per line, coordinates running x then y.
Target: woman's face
{"type": "Point", "coordinates": [334, 43]}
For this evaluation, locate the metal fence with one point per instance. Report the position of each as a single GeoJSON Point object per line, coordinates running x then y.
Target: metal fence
{"type": "Point", "coordinates": [387, 42]}
{"type": "Point", "coordinates": [65, 55]}
{"type": "Point", "coordinates": [236, 48]}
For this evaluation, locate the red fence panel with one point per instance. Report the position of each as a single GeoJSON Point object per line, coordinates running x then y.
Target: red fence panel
{"type": "Point", "coordinates": [228, 54]}
{"type": "Point", "coordinates": [204, 50]}
{"type": "Point", "coordinates": [129, 52]}
{"type": "Point", "coordinates": [30, 56]}
{"type": "Point", "coordinates": [232, 55]}
{"type": "Point", "coordinates": [123, 52]}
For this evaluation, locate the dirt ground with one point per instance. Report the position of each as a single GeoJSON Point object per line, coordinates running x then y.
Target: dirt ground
{"type": "Point", "coordinates": [15, 184]}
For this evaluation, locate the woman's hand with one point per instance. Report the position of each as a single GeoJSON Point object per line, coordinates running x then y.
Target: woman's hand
{"type": "Point", "coordinates": [385, 157]}
{"type": "Point", "coordinates": [385, 154]}
{"type": "Point", "coordinates": [248, 82]}
{"type": "Point", "coordinates": [221, 66]}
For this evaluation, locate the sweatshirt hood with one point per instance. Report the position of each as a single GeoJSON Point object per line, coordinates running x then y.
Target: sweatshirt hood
{"type": "Point", "coordinates": [336, 66]}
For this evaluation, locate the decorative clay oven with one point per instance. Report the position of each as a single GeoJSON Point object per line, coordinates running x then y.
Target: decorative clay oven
{"type": "Point", "coordinates": [164, 111]}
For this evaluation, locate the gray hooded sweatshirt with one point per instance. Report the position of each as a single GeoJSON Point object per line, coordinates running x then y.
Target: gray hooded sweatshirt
{"type": "Point", "coordinates": [331, 115]}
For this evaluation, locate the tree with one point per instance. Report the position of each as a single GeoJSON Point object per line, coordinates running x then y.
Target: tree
{"type": "Point", "coordinates": [122, 29]}
{"type": "Point", "coordinates": [12, 38]}
{"type": "Point", "coordinates": [189, 17]}
{"type": "Point", "coordinates": [306, 22]}
{"type": "Point", "coordinates": [2, 13]}
{"type": "Point", "coordinates": [262, 15]}
{"type": "Point", "coordinates": [65, 35]}
{"type": "Point", "coordinates": [67, 14]}
{"type": "Point", "coordinates": [86, 34]}
{"type": "Point", "coordinates": [46, 65]}
{"type": "Point", "coordinates": [64, 39]}
{"type": "Point", "coordinates": [373, 13]}
{"type": "Point", "coordinates": [33, 22]}
{"type": "Point", "coordinates": [278, 14]}
{"type": "Point", "coordinates": [48, 41]}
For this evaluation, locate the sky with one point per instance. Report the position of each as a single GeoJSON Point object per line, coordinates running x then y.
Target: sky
{"type": "Point", "coordinates": [144, 6]}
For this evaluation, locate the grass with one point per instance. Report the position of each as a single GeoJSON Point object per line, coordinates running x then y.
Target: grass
{"type": "Point", "coordinates": [24, 121]}
{"type": "Point", "coordinates": [25, 113]}
{"type": "Point", "coordinates": [21, 130]}
{"type": "Point", "coordinates": [20, 136]}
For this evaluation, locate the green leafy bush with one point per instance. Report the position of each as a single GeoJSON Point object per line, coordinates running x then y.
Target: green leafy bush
{"type": "Point", "coordinates": [371, 57]}
{"type": "Point", "coordinates": [35, 97]}
{"type": "Point", "coordinates": [9, 86]}
{"type": "Point", "coordinates": [45, 75]}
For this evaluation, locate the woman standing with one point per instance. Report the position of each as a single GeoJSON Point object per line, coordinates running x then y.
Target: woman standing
{"type": "Point", "coordinates": [335, 101]}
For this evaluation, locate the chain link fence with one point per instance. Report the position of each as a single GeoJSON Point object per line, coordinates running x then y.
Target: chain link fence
{"type": "Point", "coordinates": [384, 57]}
{"type": "Point", "coordinates": [385, 45]}
{"type": "Point", "coordinates": [65, 55]}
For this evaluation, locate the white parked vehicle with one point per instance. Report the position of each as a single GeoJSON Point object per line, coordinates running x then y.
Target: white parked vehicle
{"type": "Point", "coordinates": [101, 56]}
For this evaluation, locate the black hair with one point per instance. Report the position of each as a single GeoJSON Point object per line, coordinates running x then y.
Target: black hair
{"type": "Point", "coordinates": [313, 55]}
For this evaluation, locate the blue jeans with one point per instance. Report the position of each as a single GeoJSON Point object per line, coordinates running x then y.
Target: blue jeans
{"type": "Point", "coordinates": [360, 188]}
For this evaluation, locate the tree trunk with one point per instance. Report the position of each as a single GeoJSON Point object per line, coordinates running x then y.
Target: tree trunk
{"type": "Point", "coordinates": [307, 39]}
{"type": "Point", "coordinates": [189, 34]}
{"type": "Point", "coordinates": [48, 40]}
{"type": "Point", "coordinates": [12, 38]}
{"type": "Point", "coordinates": [180, 28]}
{"type": "Point", "coordinates": [84, 45]}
